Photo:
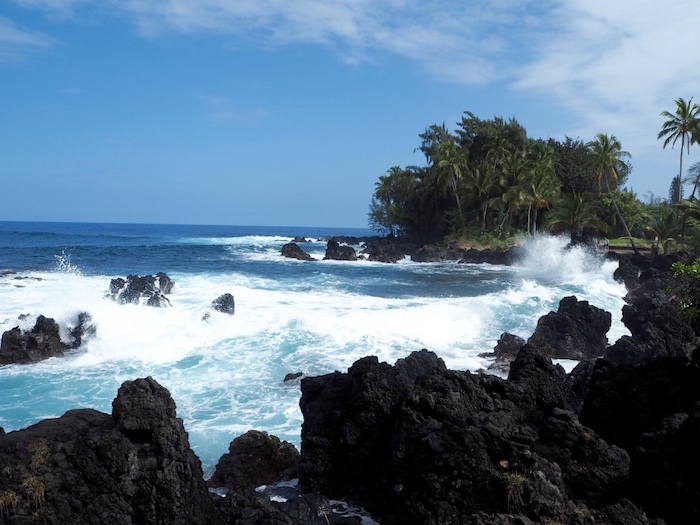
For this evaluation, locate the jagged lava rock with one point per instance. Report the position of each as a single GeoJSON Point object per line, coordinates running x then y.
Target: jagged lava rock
{"type": "Point", "coordinates": [417, 443]}
{"type": "Point", "coordinates": [577, 330]}
{"type": "Point", "coordinates": [255, 458]}
{"type": "Point", "coordinates": [43, 340]}
{"type": "Point", "coordinates": [86, 467]}
{"type": "Point", "coordinates": [147, 288]}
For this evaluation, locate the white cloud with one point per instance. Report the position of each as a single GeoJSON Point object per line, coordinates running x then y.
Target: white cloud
{"type": "Point", "coordinates": [616, 66]}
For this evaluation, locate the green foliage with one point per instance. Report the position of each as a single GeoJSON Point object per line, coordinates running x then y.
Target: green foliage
{"type": "Point", "coordinates": [575, 213]}
{"type": "Point", "coordinates": [489, 175]}
{"type": "Point", "coordinates": [665, 224]}
{"type": "Point", "coordinates": [515, 487]}
{"type": "Point", "coordinates": [687, 294]}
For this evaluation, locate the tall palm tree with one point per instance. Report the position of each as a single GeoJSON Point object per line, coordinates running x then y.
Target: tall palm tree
{"type": "Point", "coordinates": [609, 163]}
{"type": "Point", "coordinates": [513, 172]}
{"type": "Point", "coordinates": [483, 182]}
{"type": "Point", "coordinates": [450, 161]}
{"type": "Point", "coordinates": [539, 192]}
{"type": "Point", "coordinates": [681, 125]}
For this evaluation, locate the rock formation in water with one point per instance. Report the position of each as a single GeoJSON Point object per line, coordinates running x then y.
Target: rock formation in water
{"type": "Point", "coordinates": [292, 251]}
{"type": "Point", "coordinates": [225, 303]}
{"type": "Point", "coordinates": [339, 252]}
{"type": "Point", "coordinates": [43, 340]}
{"type": "Point", "coordinates": [148, 289]}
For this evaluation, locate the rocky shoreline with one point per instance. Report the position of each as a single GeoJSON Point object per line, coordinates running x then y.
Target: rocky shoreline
{"type": "Point", "coordinates": [415, 443]}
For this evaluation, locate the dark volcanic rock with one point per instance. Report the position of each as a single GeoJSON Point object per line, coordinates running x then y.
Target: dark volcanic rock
{"type": "Point", "coordinates": [505, 351]}
{"type": "Point", "coordinates": [643, 395]}
{"type": "Point", "coordinates": [575, 331]}
{"type": "Point", "coordinates": [87, 467]}
{"type": "Point", "coordinates": [388, 250]}
{"type": "Point", "coordinates": [164, 283]}
{"type": "Point", "coordinates": [338, 252]}
{"type": "Point", "coordinates": [43, 340]}
{"type": "Point", "coordinates": [448, 252]}
{"type": "Point", "coordinates": [255, 459]}
{"type": "Point", "coordinates": [137, 289]}
{"type": "Point", "coordinates": [417, 443]}
{"type": "Point", "coordinates": [293, 251]}
{"type": "Point", "coordinates": [225, 304]}
{"type": "Point", "coordinates": [438, 253]}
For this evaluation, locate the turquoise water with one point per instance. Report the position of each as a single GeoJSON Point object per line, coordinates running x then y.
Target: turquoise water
{"type": "Point", "coordinates": [226, 373]}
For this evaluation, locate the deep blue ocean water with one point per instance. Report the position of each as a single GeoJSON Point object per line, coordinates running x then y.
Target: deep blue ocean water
{"type": "Point", "coordinates": [226, 373]}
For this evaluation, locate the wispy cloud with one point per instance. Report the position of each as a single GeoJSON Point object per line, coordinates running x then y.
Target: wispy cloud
{"type": "Point", "coordinates": [616, 66]}
{"type": "Point", "coordinates": [16, 41]}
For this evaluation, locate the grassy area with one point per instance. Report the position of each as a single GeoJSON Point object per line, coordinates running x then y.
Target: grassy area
{"type": "Point", "coordinates": [624, 242]}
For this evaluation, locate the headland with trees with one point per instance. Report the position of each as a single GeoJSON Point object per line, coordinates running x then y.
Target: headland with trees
{"type": "Point", "coordinates": [487, 183]}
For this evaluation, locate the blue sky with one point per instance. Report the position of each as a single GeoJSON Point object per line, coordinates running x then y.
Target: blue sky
{"type": "Point", "coordinates": [270, 112]}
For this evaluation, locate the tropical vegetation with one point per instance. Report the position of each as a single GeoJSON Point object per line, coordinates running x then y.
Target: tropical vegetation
{"type": "Point", "coordinates": [487, 180]}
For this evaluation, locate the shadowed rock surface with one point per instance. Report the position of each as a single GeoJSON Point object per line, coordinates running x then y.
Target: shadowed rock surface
{"type": "Point", "coordinates": [135, 466]}
{"type": "Point", "coordinates": [255, 459]}
{"type": "Point", "coordinates": [577, 330]}
{"type": "Point", "coordinates": [417, 443]}
{"type": "Point", "coordinates": [292, 251]}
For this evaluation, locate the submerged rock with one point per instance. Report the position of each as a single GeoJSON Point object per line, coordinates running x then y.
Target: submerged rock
{"type": "Point", "coordinates": [225, 304]}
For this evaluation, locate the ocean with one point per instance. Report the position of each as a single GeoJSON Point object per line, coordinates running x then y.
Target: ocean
{"type": "Point", "coordinates": [225, 372]}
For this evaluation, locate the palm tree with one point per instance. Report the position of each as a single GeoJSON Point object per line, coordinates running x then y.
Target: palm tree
{"type": "Point", "coordinates": [574, 213]}
{"type": "Point", "coordinates": [450, 160]}
{"type": "Point", "coordinates": [665, 224]}
{"type": "Point", "coordinates": [483, 182]}
{"type": "Point", "coordinates": [539, 192]}
{"type": "Point", "coordinates": [513, 171]}
{"type": "Point", "coordinates": [609, 163]}
{"type": "Point", "coordinates": [693, 177]}
{"type": "Point", "coordinates": [681, 125]}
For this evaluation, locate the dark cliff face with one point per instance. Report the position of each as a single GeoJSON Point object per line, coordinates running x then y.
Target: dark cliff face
{"type": "Point", "coordinates": [135, 466]}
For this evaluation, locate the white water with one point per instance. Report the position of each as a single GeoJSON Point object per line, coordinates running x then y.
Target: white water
{"type": "Point", "coordinates": [225, 373]}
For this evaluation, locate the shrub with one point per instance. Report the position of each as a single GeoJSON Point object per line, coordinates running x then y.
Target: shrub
{"type": "Point", "coordinates": [35, 488]}
{"type": "Point", "coordinates": [38, 451]}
